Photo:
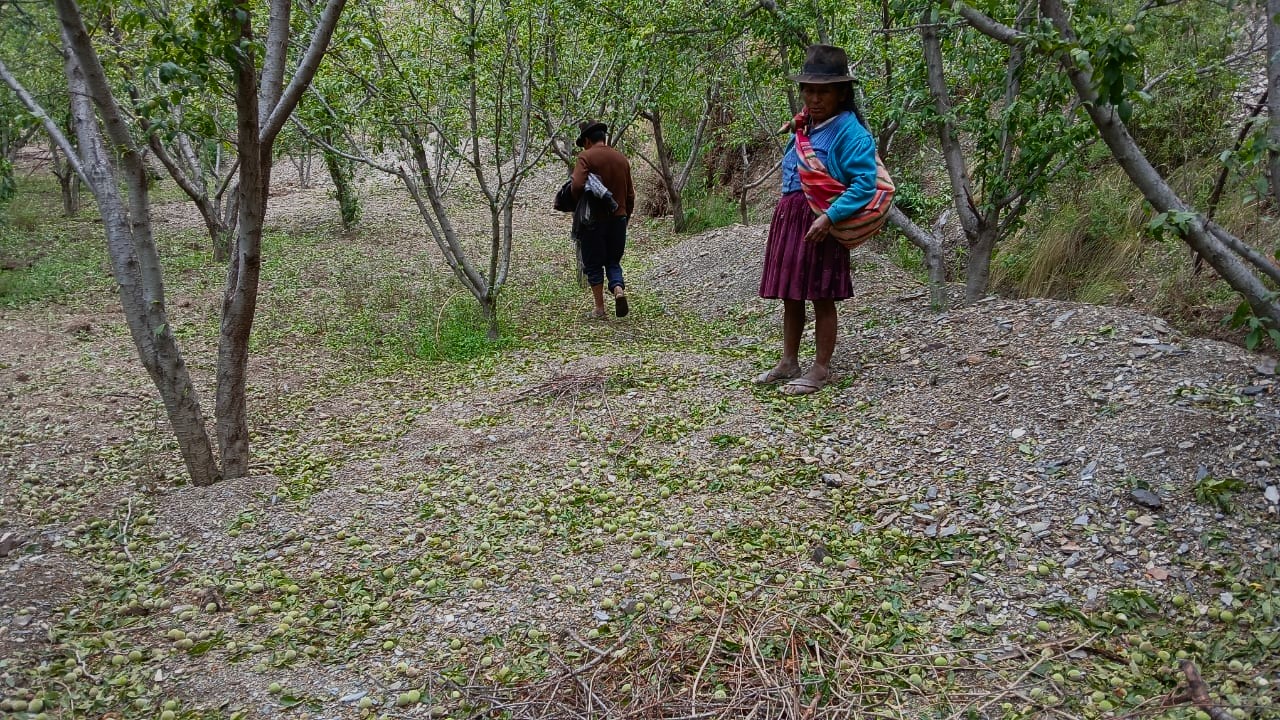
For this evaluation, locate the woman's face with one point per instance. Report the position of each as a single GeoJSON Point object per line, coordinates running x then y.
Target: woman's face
{"type": "Point", "coordinates": [823, 99]}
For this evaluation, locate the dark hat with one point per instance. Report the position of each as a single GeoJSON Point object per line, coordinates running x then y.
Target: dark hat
{"type": "Point", "coordinates": [586, 127]}
{"type": "Point", "coordinates": [824, 64]}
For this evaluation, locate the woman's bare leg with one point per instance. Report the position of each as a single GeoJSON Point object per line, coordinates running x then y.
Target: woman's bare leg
{"type": "Point", "coordinates": [792, 328]}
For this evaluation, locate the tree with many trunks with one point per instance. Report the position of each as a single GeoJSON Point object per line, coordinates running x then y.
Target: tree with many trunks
{"type": "Point", "coordinates": [109, 158]}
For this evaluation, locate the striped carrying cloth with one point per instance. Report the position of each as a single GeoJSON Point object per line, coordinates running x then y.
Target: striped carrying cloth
{"type": "Point", "coordinates": [820, 189]}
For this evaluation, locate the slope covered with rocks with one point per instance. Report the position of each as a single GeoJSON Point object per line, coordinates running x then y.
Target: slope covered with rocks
{"type": "Point", "coordinates": [1016, 508]}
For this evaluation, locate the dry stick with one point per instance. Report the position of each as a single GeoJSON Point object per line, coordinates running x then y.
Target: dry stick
{"type": "Point", "coordinates": [711, 648]}
{"type": "Point", "coordinates": [590, 694]}
{"type": "Point", "coordinates": [124, 531]}
{"type": "Point", "coordinates": [601, 655]}
{"type": "Point", "coordinates": [1221, 183]}
{"type": "Point", "coordinates": [1200, 692]}
{"type": "Point", "coordinates": [993, 699]}
{"type": "Point", "coordinates": [1053, 710]}
{"type": "Point", "coordinates": [440, 316]}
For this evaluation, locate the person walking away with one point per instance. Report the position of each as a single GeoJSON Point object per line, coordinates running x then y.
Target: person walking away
{"type": "Point", "coordinates": [803, 261]}
{"type": "Point", "coordinates": [604, 241]}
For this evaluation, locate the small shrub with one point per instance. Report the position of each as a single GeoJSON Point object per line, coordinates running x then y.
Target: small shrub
{"type": "Point", "coordinates": [1217, 492]}
{"type": "Point", "coordinates": [714, 209]}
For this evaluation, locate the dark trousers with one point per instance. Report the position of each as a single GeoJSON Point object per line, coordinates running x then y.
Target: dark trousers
{"type": "Point", "coordinates": [602, 247]}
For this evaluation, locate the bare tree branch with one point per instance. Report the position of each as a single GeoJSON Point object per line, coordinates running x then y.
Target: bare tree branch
{"type": "Point", "coordinates": [988, 26]}
{"type": "Point", "coordinates": [277, 51]}
{"type": "Point", "coordinates": [307, 68]}
{"type": "Point", "coordinates": [953, 156]}
{"type": "Point", "coordinates": [50, 127]}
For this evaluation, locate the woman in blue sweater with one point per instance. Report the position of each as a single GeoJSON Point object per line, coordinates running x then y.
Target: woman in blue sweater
{"type": "Point", "coordinates": [803, 262]}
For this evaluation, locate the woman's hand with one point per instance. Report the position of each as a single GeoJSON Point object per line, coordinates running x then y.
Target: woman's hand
{"type": "Point", "coordinates": [819, 230]}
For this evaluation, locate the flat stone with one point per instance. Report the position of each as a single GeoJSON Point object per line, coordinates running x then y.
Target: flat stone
{"type": "Point", "coordinates": [1088, 472]}
{"type": "Point", "coordinates": [1147, 499]}
{"type": "Point", "coordinates": [1251, 390]}
{"type": "Point", "coordinates": [1062, 319]}
{"type": "Point", "coordinates": [10, 542]}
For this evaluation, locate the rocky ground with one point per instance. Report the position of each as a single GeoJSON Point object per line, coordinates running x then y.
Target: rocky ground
{"type": "Point", "coordinates": [1014, 509]}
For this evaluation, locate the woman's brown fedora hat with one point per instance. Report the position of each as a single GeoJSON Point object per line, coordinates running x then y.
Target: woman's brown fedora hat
{"type": "Point", "coordinates": [824, 64]}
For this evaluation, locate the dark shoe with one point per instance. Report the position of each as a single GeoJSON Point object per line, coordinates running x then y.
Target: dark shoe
{"type": "Point", "coordinates": [620, 306]}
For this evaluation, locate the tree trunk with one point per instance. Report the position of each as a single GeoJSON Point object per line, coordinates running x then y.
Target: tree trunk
{"type": "Point", "coordinates": [134, 260]}
{"type": "Point", "coordinates": [934, 259]}
{"type": "Point", "coordinates": [665, 174]}
{"type": "Point", "coordinates": [981, 236]}
{"type": "Point", "coordinates": [678, 220]}
{"type": "Point", "coordinates": [348, 202]}
{"type": "Point", "coordinates": [1273, 98]}
{"type": "Point", "coordinates": [69, 183]}
{"type": "Point", "coordinates": [489, 311]}
{"type": "Point", "coordinates": [240, 298]}
{"type": "Point", "coordinates": [978, 266]}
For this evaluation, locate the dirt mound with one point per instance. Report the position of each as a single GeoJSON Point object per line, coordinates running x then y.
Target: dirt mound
{"type": "Point", "coordinates": [718, 271]}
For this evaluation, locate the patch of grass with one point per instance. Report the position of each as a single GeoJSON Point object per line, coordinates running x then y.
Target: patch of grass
{"type": "Point", "coordinates": [43, 256]}
{"type": "Point", "coordinates": [1089, 240]}
{"type": "Point", "coordinates": [705, 210]}
{"type": "Point", "coordinates": [902, 253]}
{"type": "Point", "coordinates": [459, 334]}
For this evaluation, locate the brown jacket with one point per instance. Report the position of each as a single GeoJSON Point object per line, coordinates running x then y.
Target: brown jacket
{"type": "Point", "coordinates": [614, 172]}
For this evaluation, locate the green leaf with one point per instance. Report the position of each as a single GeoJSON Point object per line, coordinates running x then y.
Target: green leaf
{"type": "Point", "coordinates": [1124, 110]}
{"type": "Point", "coordinates": [169, 71]}
{"type": "Point", "coordinates": [1240, 315]}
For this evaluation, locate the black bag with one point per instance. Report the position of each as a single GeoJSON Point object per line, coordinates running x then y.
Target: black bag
{"type": "Point", "coordinates": [564, 198]}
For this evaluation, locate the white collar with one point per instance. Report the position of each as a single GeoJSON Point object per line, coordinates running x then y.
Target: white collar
{"type": "Point", "coordinates": [826, 122]}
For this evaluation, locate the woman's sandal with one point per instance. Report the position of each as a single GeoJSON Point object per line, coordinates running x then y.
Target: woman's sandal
{"type": "Point", "coordinates": [774, 375]}
{"type": "Point", "coordinates": [803, 386]}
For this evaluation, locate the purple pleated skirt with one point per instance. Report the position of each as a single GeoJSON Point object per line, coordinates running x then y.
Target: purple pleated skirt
{"type": "Point", "coordinates": [799, 270]}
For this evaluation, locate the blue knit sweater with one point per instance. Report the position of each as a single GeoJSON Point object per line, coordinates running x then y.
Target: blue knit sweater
{"type": "Point", "coordinates": [849, 152]}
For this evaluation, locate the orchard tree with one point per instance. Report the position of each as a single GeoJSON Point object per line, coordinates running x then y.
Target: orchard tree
{"type": "Point", "coordinates": [1003, 142]}
{"type": "Point", "coordinates": [32, 50]}
{"type": "Point", "coordinates": [1098, 64]}
{"type": "Point", "coordinates": [452, 87]}
{"type": "Point", "coordinates": [109, 159]}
